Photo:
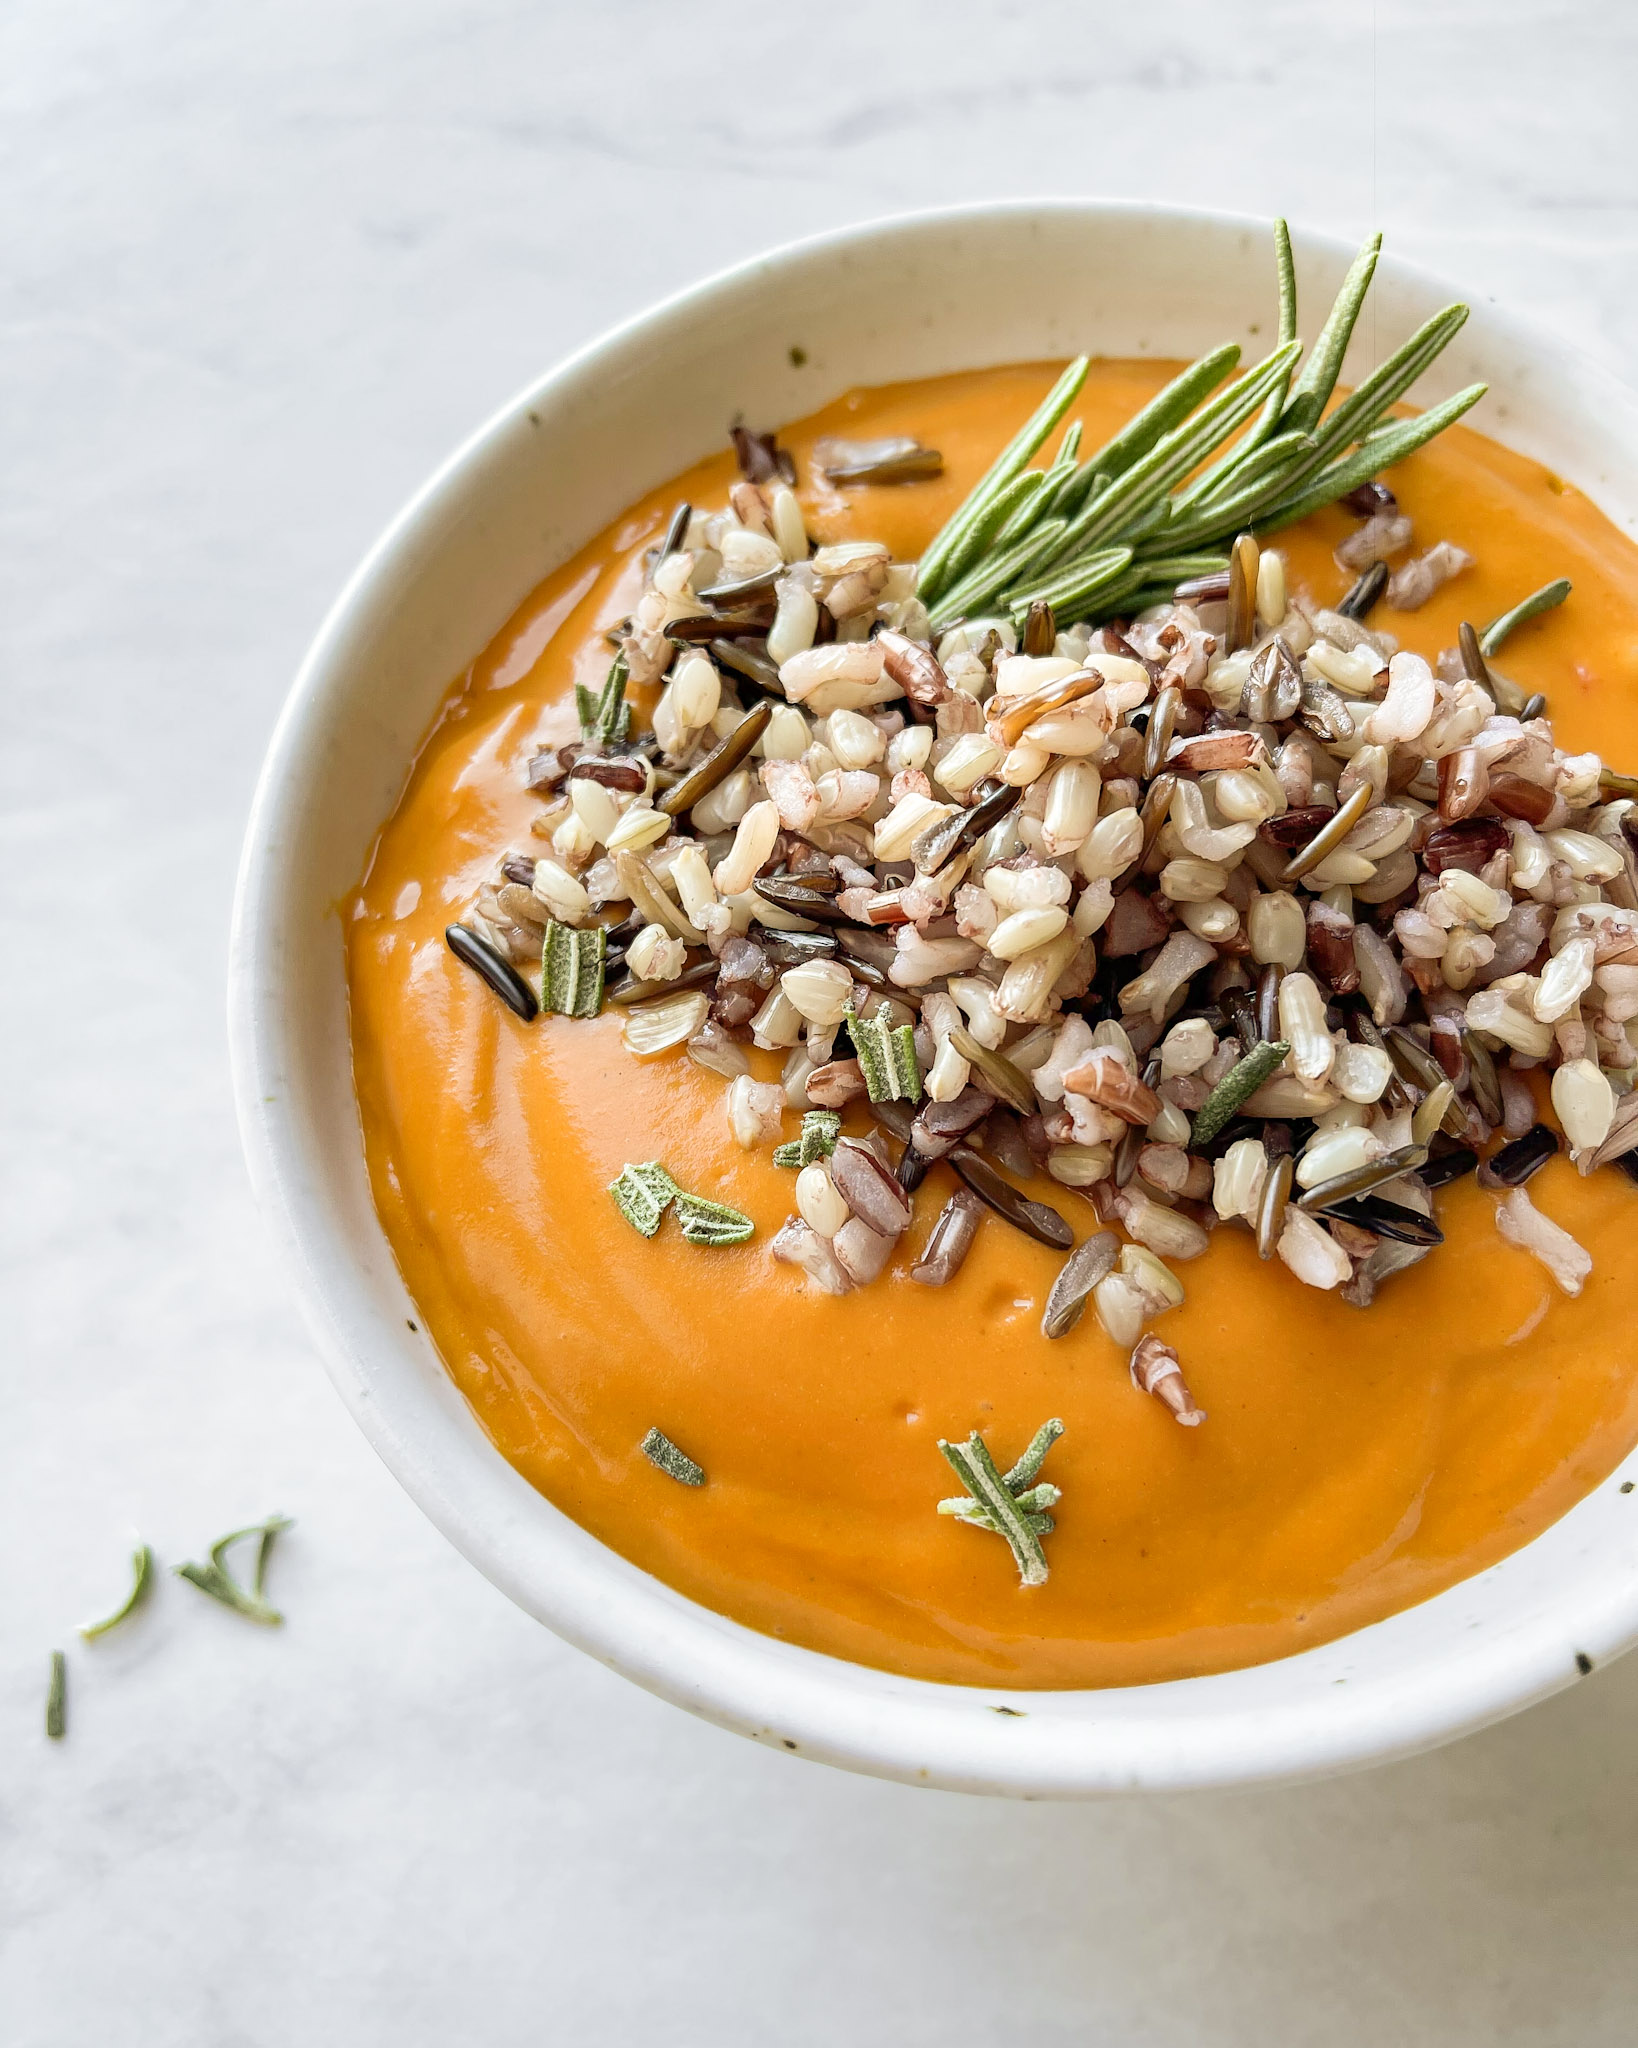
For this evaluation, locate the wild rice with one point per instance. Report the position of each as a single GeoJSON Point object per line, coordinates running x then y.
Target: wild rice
{"type": "Point", "coordinates": [1223, 903]}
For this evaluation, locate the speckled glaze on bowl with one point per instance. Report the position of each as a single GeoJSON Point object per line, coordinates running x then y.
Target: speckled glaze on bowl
{"type": "Point", "coordinates": [895, 299]}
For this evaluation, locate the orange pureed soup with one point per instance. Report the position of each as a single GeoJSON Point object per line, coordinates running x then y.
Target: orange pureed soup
{"type": "Point", "coordinates": [1353, 1461]}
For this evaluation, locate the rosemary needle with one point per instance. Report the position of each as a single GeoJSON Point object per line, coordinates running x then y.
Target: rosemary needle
{"type": "Point", "coordinates": [1531, 607]}
{"type": "Point", "coordinates": [142, 1571]}
{"type": "Point", "coordinates": [1010, 1503]}
{"type": "Point", "coordinates": [56, 1713]}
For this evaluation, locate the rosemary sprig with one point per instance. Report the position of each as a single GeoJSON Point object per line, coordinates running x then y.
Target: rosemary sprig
{"type": "Point", "coordinates": [56, 1713]}
{"type": "Point", "coordinates": [1531, 607]}
{"type": "Point", "coordinates": [1010, 1503]}
{"type": "Point", "coordinates": [1179, 482]}
{"type": "Point", "coordinates": [216, 1580]}
{"type": "Point", "coordinates": [142, 1571]}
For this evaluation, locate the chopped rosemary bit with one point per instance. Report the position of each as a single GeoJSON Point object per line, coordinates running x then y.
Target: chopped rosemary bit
{"type": "Point", "coordinates": [643, 1193]}
{"type": "Point", "coordinates": [901, 1051]}
{"type": "Point", "coordinates": [57, 1698]}
{"type": "Point", "coordinates": [142, 1571]}
{"type": "Point", "coordinates": [1238, 1085]}
{"type": "Point", "coordinates": [571, 981]}
{"type": "Point", "coordinates": [658, 1448]}
{"type": "Point", "coordinates": [820, 1130]}
{"type": "Point", "coordinates": [607, 716]}
{"type": "Point", "coordinates": [887, 1058]}
{"type": "Point", "coordinates": [712, 1223]}
{"type": "Point", "coordinates": [1010, 1504]}
{"type": "Point", "coordinates": [216, 1580]}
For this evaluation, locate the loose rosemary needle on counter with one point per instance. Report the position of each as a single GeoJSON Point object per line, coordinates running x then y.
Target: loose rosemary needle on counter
{"type": "Point", "coordinates": [216, 1580]}
{"type": "Point", "coordinates": [142, 1571]}
{"type": "Point", "coordinates": [56, 1713]}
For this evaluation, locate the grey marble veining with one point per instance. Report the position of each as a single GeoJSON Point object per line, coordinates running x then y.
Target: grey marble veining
{"type": "Point", "coordinates": [265, 265]}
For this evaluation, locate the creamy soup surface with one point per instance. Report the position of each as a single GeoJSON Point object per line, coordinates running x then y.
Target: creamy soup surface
{"type": "Point", "coordinates": [1352, 1461]}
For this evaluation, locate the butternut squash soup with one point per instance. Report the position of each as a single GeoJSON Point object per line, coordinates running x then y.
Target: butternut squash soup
{"type": "Point", "coordinates": [1020, 1081]}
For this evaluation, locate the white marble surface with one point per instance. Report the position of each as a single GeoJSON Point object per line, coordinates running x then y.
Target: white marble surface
{"type": "Point", "coordinates": [265, 264]}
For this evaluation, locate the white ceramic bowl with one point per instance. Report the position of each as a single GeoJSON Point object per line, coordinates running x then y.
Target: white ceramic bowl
{"type": "Point", "coordinates": [903, 298]}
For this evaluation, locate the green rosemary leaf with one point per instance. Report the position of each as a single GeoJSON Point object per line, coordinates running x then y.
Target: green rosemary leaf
{"type": "Point", "coordinates": [1237, 1086]}
{"type": "Point", "coordinates": [1025, 509]}
{"type": "Point", "coordinates": [605, 717]}
{"type": "Point", "coordinates": [1174, 569]}
{"type": "Point", "coordinates": [941, 560]}
{"type": "Point", "coordinates": [987, 522]}
{"type": "Point", "coordinates": [964, 1509]}
{"type": "Point", "coordinates": [658, 1448]}
{"type": "Point", "coordinates": [975, 1468]}
{"type": "Point", "coordinates": [1230, 470]}
{"type": "Point", "coordinates": [1365, 408]}
{"type": "Point", "coordinates": [1375, 453]}
{"type": "Point", "coordinates": [1024, 1472]}
{"type": "Point", "coordinates": [887, 1058]}
{"type": "Point", "coordinates": [901, 1051]}
{"type": "Point", "coordinates": [1197, 512]}
{"type": "Point", "coordinates": [993, 574]}
{"type": "Point", "coordinates": [216, 1580]}
{"type": "Point", "coordinates": [642, 1193]}
{"type": "Point", "coordinates": [1075, 582]}
{"type": "Point", "coordinates": [820, 1130]}
{"type": "Point", "coordinates": [1164, 412]}
{"type": "Point", "coordinates": [1035, 1500]}
{"type": "Point", "coordinates": [1369, 401]}
{"type": "Point", "coordinates": [870, 1049]}
{"type": "Point", "coordinates": [1324, 364]}
{"type": "Point", "coordinates": [1069, 447]}
{"type": "Point", "coordinates": [572, 963]}
{"type": "Point", "coordinates": [142, 1569]}
{"type": "Point", "coordinates": [1285, 276]}
{"type": "Point", "coordinates": [711, 1223]}
{"type": "Point", "coordinates": [1531, 607]}
{"type": "Point", "coordinates": [56, 1714]}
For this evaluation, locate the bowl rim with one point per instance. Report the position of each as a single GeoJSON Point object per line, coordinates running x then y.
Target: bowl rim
{"type": "Point", "coordinates": [1058, 1743]}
